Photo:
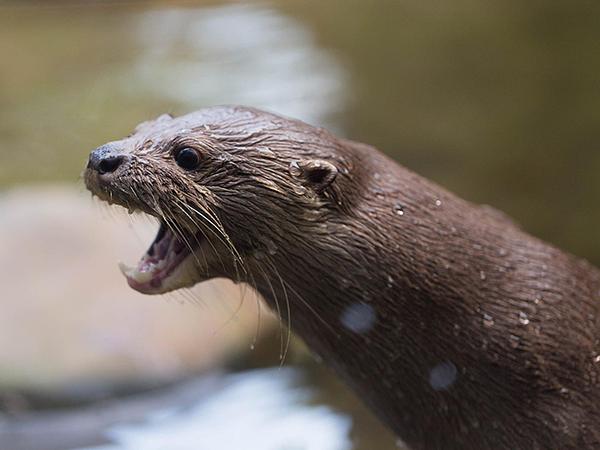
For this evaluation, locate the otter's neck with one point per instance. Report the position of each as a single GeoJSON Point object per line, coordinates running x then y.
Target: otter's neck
{"type": "Point", "coordinates": [450, 322]}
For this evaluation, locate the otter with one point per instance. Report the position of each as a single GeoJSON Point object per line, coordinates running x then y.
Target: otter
{"type": "Point", "coordinates": [457, 328]}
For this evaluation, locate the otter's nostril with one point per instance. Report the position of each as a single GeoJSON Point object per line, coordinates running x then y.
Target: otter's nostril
{"type": "Point", "coordinates": [110, 164]}
{"type": "Point", "coordinates": [106, 159]}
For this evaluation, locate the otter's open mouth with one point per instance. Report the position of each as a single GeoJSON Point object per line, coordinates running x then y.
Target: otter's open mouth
{"type": "Point", "coordinates": [167, 265]}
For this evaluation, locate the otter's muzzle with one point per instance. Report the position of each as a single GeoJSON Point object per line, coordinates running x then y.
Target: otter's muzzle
{"type": "Point", "coordinates": [106, 159]}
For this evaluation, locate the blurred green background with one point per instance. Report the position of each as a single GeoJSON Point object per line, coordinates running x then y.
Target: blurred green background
{"type": "Point", "coordinates": [499, 101]}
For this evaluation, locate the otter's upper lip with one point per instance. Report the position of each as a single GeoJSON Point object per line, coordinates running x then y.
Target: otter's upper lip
{"type": "Point", "coordinates": [160, 263]}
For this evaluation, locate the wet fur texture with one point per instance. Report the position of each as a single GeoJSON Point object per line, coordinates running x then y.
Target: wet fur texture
{"type": "Point", "coordinates": [457, 328]}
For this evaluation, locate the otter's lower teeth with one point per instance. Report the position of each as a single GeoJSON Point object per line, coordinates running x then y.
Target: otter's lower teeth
{"type": "Point", "coordinates": [134, 274]}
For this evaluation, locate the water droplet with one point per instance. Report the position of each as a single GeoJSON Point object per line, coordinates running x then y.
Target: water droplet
{"type": "Point", "coordinates": [399, 209]}
{"type": "Point", "coordinates": [537, 300]}
{"type": "Point", "coordinates": [597, 359]}
{"type": "Point", "coordinates": [299, 190]}
{"type": "Point", "coordinates": [358, 317]}
{"type": "Point", "coordinates": [456, 329]}
{"type": "Point", "coordinates": [377, 176]}
{"type": "Point", "coordinates": [258, 254]}
{"type": "Point", "coordinates": [503, 252]}
{"type": "Point", "coordinates": [443, 376]}
{"type": "Point", "coordinates": [379, 193]}
{"type": "Point", "coordinates": [390, 281]}
{"type": "Point", "coordinates": [488, 320]}
{"type": "Point", "coordinates": [514, 341]}
{"type": "Point", "coordinates": [482, 275]}
{"type": "Point", "coordinates": [266, 152]}
{"type": "Point", "coordinates": [523, 318]}
{"type": "Point", "coordinates": [252, 347]}
{"type": "Point", "coordinates": [438, 202]}
{"type": "Point", "coordinates": [317, 358]}
{"type": "Point", "coordinates": [294, 169]}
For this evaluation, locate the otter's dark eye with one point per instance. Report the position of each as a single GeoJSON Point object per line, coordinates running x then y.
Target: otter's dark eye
{"type": "Point", "coordinates": [187, 158]}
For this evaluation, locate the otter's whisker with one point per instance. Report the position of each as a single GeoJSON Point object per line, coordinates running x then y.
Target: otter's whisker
{"type": "Point", "coordinates": [232, 317]}
{"type": "Point", "coordinates": [197, 225]}
{"type": "Point", "coordinates": [311, 309]}
{"type": "Point", "coordinates": [258, 309]}
{"type": "Point", "coordinates": [221, 231]}
{"type": "Point", "coordinates": [289, 312]}
{"type": "Point", "coordinates": [196, 239]}
{"type": "Point", "coordinates": [277, 306]}
{"type": "Point", "coordinates": [224, 234]}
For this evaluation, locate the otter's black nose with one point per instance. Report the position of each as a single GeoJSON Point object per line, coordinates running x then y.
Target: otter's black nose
{"type": "Point", "coordinates": [106, 159]}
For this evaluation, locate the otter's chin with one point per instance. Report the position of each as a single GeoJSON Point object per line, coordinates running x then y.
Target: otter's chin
{"type": "Point", "coordinates": [169, 264]}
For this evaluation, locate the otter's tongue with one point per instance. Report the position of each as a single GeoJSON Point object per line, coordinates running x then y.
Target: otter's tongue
{"type": "Point", "coordinates": [164, 255]}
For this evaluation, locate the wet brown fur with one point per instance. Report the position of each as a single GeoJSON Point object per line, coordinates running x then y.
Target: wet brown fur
{"type": "Point", "coordinates": [450, 284]}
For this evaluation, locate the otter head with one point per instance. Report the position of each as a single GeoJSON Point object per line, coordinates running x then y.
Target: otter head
{"type": "Point", "coordinates": [228, 185]}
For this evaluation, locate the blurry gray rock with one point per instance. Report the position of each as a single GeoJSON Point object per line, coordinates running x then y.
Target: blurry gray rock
{"type": "Point", "coordinates": [68, 314]}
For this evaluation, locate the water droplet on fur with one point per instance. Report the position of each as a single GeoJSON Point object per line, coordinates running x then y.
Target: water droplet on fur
{"type": "Point", "coordinates": [488, 320]}
{"type": "Point", "coordinates": [503, 252]}
{"type": "Point", "coordinates": [482, 275]}
{"type": "Point", "coordinates": [299, 190]}
{"type": "Point", "coordinates": [270, 246]}
{"type": "Point", "coordinates": [258, 254]}
{"type": "Point", "coordinates": [390, 281]}
{"type": "Point", "coordinates": [266, 152]}
{"type": "Point", "coordinates": [537, 300]}
{"type": "Point", "coordinates": [443, 376]}
{"type": "Point", "coordinates": [514, 341]}
{"type": "Point", "coordinates": [294, 169]}
{"type": "Point", "coordinates": [379, 193]}
{"type": "Point", "coordinates": [377, 176]}
{"type": "Point", "coordinates": [399, 209]}
{"type": "Point", "coordinates": [438, 202]}
{"type": "Point", "coordinates": [523, 318]}
{"type": "Point", "coordinates": [597, 359]}
{"type": "Point", "coordinates": [358, 317]}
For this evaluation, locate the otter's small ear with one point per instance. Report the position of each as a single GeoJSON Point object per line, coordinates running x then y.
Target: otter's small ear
{"type": "Point", "coordinates": [318, 173]}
